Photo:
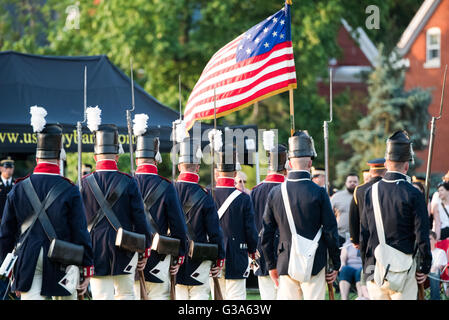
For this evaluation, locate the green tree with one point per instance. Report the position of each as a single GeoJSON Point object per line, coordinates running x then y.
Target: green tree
{"type": "Point", "coordinates": [390, 108]}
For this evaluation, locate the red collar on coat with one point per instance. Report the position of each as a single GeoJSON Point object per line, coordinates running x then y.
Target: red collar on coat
{"type": "Point", "coordinates": [188, 177]}
{"type": "Point", "coordinates": [47, 168]}
{"type": "Point", "coordinates": [146, 169]}
{"type": "Point", "coordinates": [106, 165]}
{"type": "Point", "coordinates": [275, 177]}
{"type": "Point", "coordinates": [225, 182]}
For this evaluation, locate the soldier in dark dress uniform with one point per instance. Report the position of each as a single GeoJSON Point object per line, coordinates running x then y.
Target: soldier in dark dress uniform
{"type": "Point", "coordinates": [164, 214]}
{"type": "Point", "coordinates": [35, 276]}
{"type": "Point", "coordinates": [203, 225]}
{"type": "Point", "coordinates": [236, 214]}
{"type": "Point", "coordinates": [114, 266]}
{"type": "Point", "coordinates": [401, 227]}
{"type": "Point", "coordinates": [259, 194]}
{"type": "Point", "coordinates": [312, 217]}
{"type": "Point", "coordinates": [6, 182]}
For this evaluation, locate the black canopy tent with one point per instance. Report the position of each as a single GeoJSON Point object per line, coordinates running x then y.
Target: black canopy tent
{"type": "Point", "coordinates": [57, 84]}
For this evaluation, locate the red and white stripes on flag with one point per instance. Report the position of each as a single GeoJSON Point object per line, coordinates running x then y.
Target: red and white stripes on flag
{"type": "Point", "coordinates": [254, 66]}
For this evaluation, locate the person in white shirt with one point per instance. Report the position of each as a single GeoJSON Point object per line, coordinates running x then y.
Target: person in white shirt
{"type": "Point", "coordinates": [440, 210]}
{"type": "Point", "coordinates": [439, 261]}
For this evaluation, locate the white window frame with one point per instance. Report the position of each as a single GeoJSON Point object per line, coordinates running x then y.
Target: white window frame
{"type": "Point", "coordinates": [435, 62]}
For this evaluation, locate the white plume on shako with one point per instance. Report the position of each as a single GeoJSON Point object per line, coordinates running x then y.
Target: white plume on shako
{"type": "Point", "coordinates": [93, 118]}
{"type": "Point", "coordinates": [38, 118]}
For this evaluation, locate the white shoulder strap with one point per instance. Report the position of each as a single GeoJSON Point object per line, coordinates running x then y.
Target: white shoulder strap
{"type": "Point", "coordinates": [377, 214]}
{"type": "Point", "coordinates": [288, 211]}
{"type": "Point", "coordinates": [228, 202]}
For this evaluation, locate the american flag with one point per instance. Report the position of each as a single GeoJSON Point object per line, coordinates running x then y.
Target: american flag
{"type": "Point", "coordinates": [256, 65]}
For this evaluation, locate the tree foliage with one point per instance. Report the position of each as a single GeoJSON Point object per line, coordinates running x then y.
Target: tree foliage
{"type": "Point", "coordinates": [390, 108]}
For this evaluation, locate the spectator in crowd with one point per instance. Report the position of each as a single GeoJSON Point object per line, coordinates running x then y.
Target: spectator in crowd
{"type": "Point", "coordinates": [87, 168]}
{"type": "Point", "coordinates": [439, 261]}
{"type": "Point", "coordinates": [441, 212]}
{"type": "Point", "coordinates": [341, 202]}
{"type": "Point", "coordinates": [436, 198]}
{"type": "Point", "coordinates": [319, 176]}
{"type": "Point", "coordinates": [366, 176]}
{"type": "Point", "coordinates": [418, 183]}
{"type": "Point", "coordinates": [350, 271]}
{"type": "Point", "coordinates": [240, 181]}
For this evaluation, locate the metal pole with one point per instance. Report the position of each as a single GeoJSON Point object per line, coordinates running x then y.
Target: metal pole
{"type": "Point", "coordinates": [213, 147]}
{"type": "Point", "coordinates": [79, 129]}
{"type": "Point", "coordinates": [128, 120]}
{"type": "Point", "coordinates": [326, 135]}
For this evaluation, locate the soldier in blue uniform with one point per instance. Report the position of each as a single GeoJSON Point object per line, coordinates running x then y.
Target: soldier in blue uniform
{"type": "Point", "coordinates": [259, 194]}
{"type": "Point", "coordinates": [203, 225]}
{"type": "Point", "coordinates": [6, 182]}
{"type": "Point", "coordinates": [236, 214]}
{"type": "Point", "coordinates": [165, 216]}
{"type": "Point", "coordinates": [377, 171]}
{"type": "Point", "coordinates": [312, 219]}
{"type": "Point", "coordinates": [114, 266]}
{"type": "Point", "coordinates": [395, 224]}
{"type": "Point", "coordinates": [35, 276]}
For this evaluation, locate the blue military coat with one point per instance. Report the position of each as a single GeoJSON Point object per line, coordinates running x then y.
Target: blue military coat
{"type": "Point", "coordinates": [405, 220]}
{"type": "Point", "coordinates": [167, 214]}
{"type": "Point", "coordinates": [311, 209]}
{"type": "Point", "coordinates": [67, 216]}
{"type": "Point", "coordinates": [259, 196]}
{"type": "Point", "coordinates": [239, 229]}
{"type": "Point", "coordinates": [203, 221]}
{"type": "Point", "coordinates": [109, 259]}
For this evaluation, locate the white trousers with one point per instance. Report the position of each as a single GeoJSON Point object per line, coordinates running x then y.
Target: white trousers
{"type": "Point", "coordinates": [267, 288]}
{"type": "Point", "coordinates": [410, 291]}
{"type": "Point", "coordinates": [155, 291]}
{"type": "Point", "coordinates": [290, 289]}
{"type": "Point", "coordinates": [35, 291]}
{"type": "Point", "coordinates": [200, 292]}
{"type": "Point", "coordinates": [231, 289]}
{"type": "Point", "coordinates": [120, 287]}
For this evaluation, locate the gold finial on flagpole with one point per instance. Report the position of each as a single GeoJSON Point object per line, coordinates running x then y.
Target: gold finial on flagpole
{"type": "Point", "coordinates": [289, 2]}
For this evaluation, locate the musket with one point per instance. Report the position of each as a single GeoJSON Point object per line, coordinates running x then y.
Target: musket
{"type": "Point", "coordinates": [173, 172]}
{"type": "Point", "coordinates": [128, 120]}
{"type": "Point", "coordinates": [140, 275]}
{"type": "Point", "coordinates": [217, 290]}
{"type": "Point", "coordinates": [326, 166]}
{"type": "Point", "coordinates": [432, 138]}
{"type": "Point", "coordinates": [79, 130]}
{"type": "Point", "coordinates": [429, 164]}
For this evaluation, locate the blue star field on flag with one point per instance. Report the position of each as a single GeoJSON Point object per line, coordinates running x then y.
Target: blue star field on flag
{"type": "Point", "coordinates": [264, 36]}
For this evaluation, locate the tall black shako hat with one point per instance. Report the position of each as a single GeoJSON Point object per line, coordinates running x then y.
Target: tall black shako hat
{"type": "Point", "coordinates": [49, 136]}
{"type": "Point", "coordinates": [147, 140]}
{"type": "Point", "coordinates": [49, 142]}
{"type": "Point", "coordinates": [399, 147]}
{"type": "Point", "coordinates": [106, 139]}
{"type": "Point", "coordinates": [190, 151]}
{"type": "Point", "coordinates": [301, 145]}
{"type": "Point", "coordinates": [276, 153]}
{"type": "Point", "coordinates": [105, 135]}
{"type": "Point", "coordinates": [227, 158]}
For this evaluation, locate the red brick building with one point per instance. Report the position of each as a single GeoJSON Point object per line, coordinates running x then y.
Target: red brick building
{"type": "Point", "coordinates": [359, 55]}
{"type": "Point", "coordinates": [424, 49]}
